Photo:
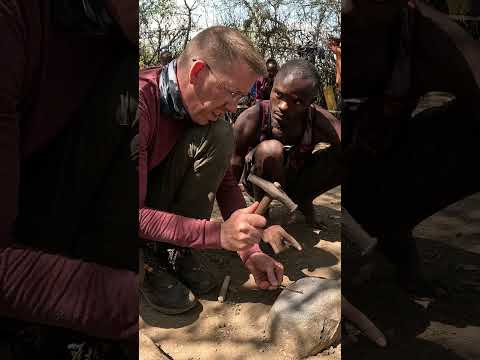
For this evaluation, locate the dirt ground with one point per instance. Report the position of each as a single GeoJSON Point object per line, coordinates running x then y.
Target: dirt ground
{"type": "Point", "coordinates": [447, 327]}
{"type": "Point", "coordinates": [234, 330]}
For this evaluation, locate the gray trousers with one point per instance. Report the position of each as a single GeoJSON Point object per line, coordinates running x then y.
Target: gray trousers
{"type": "Point", "coordinates": [186, 182]}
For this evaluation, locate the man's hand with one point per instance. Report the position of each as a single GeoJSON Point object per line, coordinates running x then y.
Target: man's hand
{"type": "Point", "coordinates": [279, 239]}
{"type": "Point", "coordinates": [243, 229]}
{"type": "Point", "coordinates": [267, 272]}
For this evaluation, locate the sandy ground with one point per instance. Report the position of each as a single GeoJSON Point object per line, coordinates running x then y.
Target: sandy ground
{"type": "Point", "coordinates": [234, 330]}
{"type": "Point", "coordinates": [447, 327]}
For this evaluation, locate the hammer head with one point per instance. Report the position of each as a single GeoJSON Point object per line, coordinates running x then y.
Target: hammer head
{"type": "Point", "coordinates": [274, 191]}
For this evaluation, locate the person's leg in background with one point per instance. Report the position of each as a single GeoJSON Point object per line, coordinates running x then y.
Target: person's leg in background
{"type": "Point", "coordinates": [436, 173]}
{"type": "Point", "coordinates": [432, 165]}
{"type": "Point", "coordinates": [268, 162]}
{"type": "Point", "coordinates": [321, 172]}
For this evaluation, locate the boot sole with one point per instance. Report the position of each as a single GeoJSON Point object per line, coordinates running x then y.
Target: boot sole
{"type": "Point", "coordinates": [165, 310]}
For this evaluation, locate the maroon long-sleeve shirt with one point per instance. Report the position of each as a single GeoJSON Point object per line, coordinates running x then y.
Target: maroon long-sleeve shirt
{"type": "Point", "coordinates": [158, 134]}
{"type": "Point", "coordinates": [45, 75]}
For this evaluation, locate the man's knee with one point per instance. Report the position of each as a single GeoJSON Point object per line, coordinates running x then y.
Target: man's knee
{"type": "Point", "coordinates": [269, 149]}
{"type": "Point", "coordinates": [269, 162]}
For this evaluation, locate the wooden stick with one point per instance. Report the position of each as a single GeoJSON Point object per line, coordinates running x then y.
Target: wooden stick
{"type": "Point", "coordinates": [364, 324]}
{"type": "Point", "coordinates": [223, 290]}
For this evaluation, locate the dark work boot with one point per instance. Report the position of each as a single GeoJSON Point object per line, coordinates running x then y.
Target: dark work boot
{"type": "Point", "coordinates": [166, 294]}
{"type": "Point", "coordinates": [192, 273]}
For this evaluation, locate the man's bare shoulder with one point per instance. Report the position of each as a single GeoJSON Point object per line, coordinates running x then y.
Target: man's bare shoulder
{"type": "Point", "coordinates": [248, 119]}
{"type": "Point", "coordinates": [326, 126]}
{"type": "Point", "coordinates": [321, 112]}
{"type": "Point", "coordinates": [245, 129]}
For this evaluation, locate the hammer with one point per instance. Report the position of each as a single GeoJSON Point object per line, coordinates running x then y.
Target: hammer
{"type": "Point", "coordinates": [274, 191]}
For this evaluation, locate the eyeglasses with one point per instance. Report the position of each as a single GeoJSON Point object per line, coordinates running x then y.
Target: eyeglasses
{"type": "Point", "coordinates": [235, 95]}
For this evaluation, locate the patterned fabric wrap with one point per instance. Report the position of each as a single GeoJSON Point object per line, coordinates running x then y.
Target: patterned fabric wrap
{"type": "Point", "coordinates": [170, 99]}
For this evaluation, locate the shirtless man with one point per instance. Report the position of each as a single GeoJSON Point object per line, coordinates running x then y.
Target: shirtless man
{"type": "Point", "coordinates": [275, 139]}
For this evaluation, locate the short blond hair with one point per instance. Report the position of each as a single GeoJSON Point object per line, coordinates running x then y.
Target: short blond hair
{"type": "Point", "coordinates": [221, 47]}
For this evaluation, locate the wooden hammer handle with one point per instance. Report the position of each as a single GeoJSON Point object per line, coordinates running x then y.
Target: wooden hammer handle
{"type": "Point", "coordinates": [263, 206]}
{"type": "Point", "coordinates": [265, 202]}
